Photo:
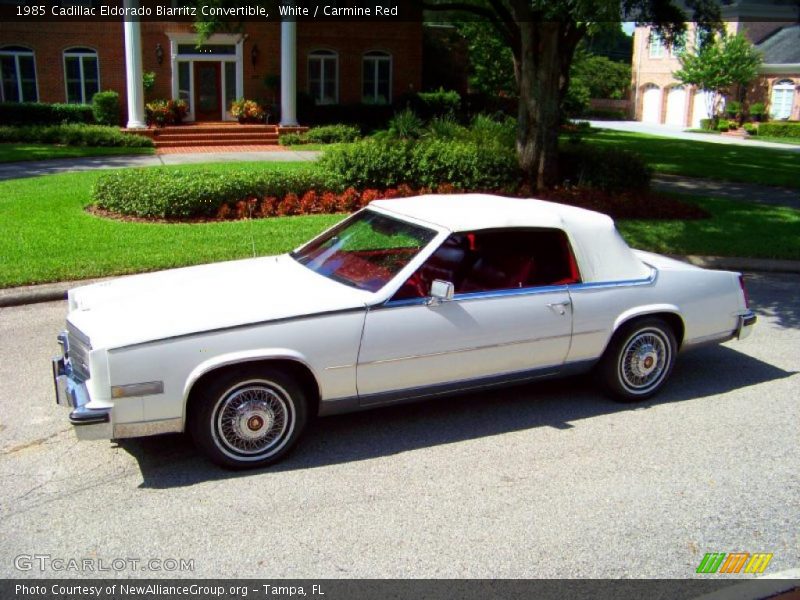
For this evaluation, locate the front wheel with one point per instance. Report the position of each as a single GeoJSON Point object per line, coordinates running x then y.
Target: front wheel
{"type": "Point", "coordinates": [639, 360]}
{"type": "Point", "coordinates": [248, 418]}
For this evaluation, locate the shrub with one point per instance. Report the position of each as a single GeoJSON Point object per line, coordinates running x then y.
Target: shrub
{"type": "Point", "coordinates": [723, 125]}
{"type": "Point", "coordinates": [465, 165]}
{"type": "Point", "coordinates": [438, 104]}
{"type": "Point", "coordinates": [500, 129]}
{"type": "Point", "coordinates": [248, 111]}
{"type": "Point", "coordinates": [750, 128]}
{"type": "Point", "coordinates": [607, 169]}
{"type": "Point", "coordinates": [369, 163]}
{"type": "Point", "coordinates": [406, 125]}
{"type": "Point", "coordinates": [332, 134]}
{"type": "Point", "coordinates": [707, 124]}
{"type": "Point", "coordinates": [148, 81]}
{"type": "Point", "coordinates": [446, 128]}
{"type": "Point", "coordinates": [165, 112]}
{"type": "Point", "coordinates": [40, 113]}
{"type": "Point", "coordinates": [73, 135]}
{"type": "Point", "coordinates": [788, 129]}
{"type": "Point", "coordinates": [733, 108]}
{"type": "Point", "coordinates": [605, 114]}
{"type": "Point", "coordinates": [173, 193]}
{"type": "Point", "coordinates": [292, 139]}
{"type": "Point", "coordinates": [105, 107]}
{"type": "Point", "coordinates": [757, 111]}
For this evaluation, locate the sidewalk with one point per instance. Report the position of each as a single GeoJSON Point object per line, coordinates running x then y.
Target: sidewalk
{"type": "Point", "coordinates": [34, 168]}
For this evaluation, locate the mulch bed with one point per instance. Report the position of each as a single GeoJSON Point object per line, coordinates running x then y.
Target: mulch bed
{"type": "Point", "coordinates": [629, 205]}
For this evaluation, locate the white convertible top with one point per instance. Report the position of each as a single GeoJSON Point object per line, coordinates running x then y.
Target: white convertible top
{"type": "Point", "coordinates": [601, 252]}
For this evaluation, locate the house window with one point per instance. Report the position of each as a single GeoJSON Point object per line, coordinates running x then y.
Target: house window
{"type": "Point", "coordinates": [377, 78]}
{"type": "Point", "coordinates": [679, 45]}
{"type": "Point", "coordinates": [82, 75]}
{"type": "Point", "coordinates": [656, 45]}
{"type": "Point", "coordinates": [323, 76]}
{"type": "Point", "coordinates": [782, 99]}
{"type": "Point", "coordinates": [18, 75]}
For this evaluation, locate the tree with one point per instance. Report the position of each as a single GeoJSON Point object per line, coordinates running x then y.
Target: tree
{"type": "Point", "coordinates": [490, 59]}
{"type": "Point", "coordinates": [543, 36]}
{"type": "Point", "coordinates": [605, 78]}
{"type": "Point", "coordinates": [719, 65]}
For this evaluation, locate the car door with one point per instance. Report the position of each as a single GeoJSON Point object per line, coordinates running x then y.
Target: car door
{"type": "Point", "coordinates": [508, 320]}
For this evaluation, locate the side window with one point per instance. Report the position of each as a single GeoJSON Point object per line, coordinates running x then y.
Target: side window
{"type": "Point", "coordinates": [485, 261]}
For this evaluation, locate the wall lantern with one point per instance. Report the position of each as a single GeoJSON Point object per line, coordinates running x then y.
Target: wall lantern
{"type": "Point", "coordinates": [254, 54]}
{"type": "Point", "coordinates": [159, 54]}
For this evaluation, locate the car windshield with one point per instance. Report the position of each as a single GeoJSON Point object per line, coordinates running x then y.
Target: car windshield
{"type": "Point", "coordinates": [365, 251]}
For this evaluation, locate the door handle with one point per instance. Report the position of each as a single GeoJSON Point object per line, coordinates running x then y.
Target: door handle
{"type": "Point", "coordinates": [560, 307]}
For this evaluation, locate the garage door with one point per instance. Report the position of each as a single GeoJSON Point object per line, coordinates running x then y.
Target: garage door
{"type": "Point", "coordinates": [651, 104]}
{"type": "Point", "coordinates": [676, 106]}
{"type": "Point", "coordinates": [700, 107]}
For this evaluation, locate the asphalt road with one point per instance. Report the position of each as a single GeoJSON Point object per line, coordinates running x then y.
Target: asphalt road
{"type": "Point", "coordinates": [547, 480]}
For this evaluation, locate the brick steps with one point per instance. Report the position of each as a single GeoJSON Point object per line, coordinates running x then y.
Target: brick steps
{"type": "Point", "coordinates": [216, 135]}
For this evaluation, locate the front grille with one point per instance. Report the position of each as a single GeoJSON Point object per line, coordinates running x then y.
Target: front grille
{"type": "Point", "coordinates": [78, 347]}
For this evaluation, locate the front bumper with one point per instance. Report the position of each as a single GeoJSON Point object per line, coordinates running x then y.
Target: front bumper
{"type": "Point", "coordinates": [746, 322]}
{"type": "Point", "coordinates": [89, 423]}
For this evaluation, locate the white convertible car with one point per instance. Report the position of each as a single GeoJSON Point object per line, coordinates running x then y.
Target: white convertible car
{"type": "Point", "coordinates": [406, 299]}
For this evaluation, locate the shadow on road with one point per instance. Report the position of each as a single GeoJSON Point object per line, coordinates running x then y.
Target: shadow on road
{"type": "Point", "coordinates": [171, 461]}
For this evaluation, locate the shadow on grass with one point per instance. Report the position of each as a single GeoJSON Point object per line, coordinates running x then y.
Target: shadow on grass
{"type": "Point", "coordinates": [171, 461]}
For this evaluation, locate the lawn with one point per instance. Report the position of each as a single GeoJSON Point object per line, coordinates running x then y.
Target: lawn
{"type": "Point", "coordinates": [45, 235]}
{"type": "Point", "coordinates": [19, 152]}
{"type": "Point", "coordinates": [729, 162]}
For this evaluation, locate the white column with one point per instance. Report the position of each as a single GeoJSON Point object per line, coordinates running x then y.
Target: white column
{"type": "Point", "coordinates": [289, 73]}
{"type": "Point", "coordinates": [133, 70]}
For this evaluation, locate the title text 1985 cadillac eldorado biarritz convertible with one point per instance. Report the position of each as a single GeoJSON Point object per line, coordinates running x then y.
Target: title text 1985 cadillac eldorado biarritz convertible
{"type": "Point", "coordinates": [406, 299]}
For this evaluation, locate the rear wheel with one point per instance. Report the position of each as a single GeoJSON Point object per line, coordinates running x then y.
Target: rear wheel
{"type": "Point", "coordinates": [248, 418]}
{"type": "Point", "coordinates": [639, 360]}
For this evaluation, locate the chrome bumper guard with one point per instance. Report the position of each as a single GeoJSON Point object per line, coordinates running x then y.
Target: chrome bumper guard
{"type": "Point", "coordinates": [746, 322]}
{"type": "Point", "coordinates": [89, 423]}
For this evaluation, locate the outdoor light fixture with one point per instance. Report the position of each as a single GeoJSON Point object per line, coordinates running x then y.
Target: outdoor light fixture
{"type": "Point", "coordinates": [159, 53]}
{"type": "Point", "coordinates": [254, 54]}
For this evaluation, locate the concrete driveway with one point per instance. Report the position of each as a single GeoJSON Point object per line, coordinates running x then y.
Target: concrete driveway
{"type": "Point", "coordinates": [679, 133]}
{"type": "Point", "coordinates": [548, 480]}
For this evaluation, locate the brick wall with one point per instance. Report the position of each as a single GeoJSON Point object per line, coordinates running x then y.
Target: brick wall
{"type": "Point", "coordinates": [351, 40]}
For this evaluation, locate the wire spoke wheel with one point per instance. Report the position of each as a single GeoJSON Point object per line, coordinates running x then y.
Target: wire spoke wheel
{"type": "Point", "coordinates": [253, 420]}
{"type": "Point", "coordinates": [644, 360]}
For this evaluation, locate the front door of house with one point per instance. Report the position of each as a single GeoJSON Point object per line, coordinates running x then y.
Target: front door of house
{"type": "Point", "coordinates": [207, 91]}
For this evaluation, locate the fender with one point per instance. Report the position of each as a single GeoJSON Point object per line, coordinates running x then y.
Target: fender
{"type": "Point", "coordinates": [640, 311]}
{"type": "Point", "coordinates": [233, 358]}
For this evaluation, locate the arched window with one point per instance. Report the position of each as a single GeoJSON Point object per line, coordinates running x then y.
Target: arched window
{"type": "Point", "coordinates": [17, 75]}
{"type": "Point", "coordinates": [376, 87]}
{"type": "Point", "coordinates": [81, 74]}
{"type": "Point", "coordinates": [782, 99]}
{"type": "Point", "coordinates": [323, 76]}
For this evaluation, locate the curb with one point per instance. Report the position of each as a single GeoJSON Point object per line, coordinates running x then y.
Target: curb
{"type": "Point", "coordinates": [51, 292]}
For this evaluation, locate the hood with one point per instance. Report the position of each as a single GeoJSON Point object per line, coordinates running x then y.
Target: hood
{"type": "Point", "coordinates": [154, 306]}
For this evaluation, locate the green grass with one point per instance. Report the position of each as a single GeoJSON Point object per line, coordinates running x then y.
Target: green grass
{"type": "Point", "coordinates": [777, 140]}
{"type": "Point", "coordinates": [20, 152]}
{"type": "Point", "coordinates": [45, 235]}
{"type": "Point", "coordinates": [727, 162]}
{"type": "Point", "coordinates": [735, 229]}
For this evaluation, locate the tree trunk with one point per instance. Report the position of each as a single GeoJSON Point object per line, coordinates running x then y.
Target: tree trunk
{"type": "Point", "coordinates": [539, 75]}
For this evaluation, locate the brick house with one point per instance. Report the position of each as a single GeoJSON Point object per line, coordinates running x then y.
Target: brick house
{"type": "Point", "coordinates": [659, 98]}
{"type": "Point", "coordinates": [335, 63]}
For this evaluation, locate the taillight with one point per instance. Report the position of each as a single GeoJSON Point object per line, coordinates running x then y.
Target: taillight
{"type": "Point", "coordinates": [744, 292]}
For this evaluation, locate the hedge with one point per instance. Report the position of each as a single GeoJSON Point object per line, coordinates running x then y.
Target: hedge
{"type": "Point", "coordinates": [790, 129]}
{"type": "Point", "coordinates": [73, 135]}
{"type": "Point", "coordinates": [326, 134]}
{"type": "Point", "coordinates": [173, 193]}
{"type": "Point", "coordinates": [40, 113]}
{"type": "Point", "coordinates": [105, 107]}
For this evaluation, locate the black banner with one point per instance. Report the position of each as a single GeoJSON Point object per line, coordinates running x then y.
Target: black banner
{"type": "Point", "coordinates": [330, 589]}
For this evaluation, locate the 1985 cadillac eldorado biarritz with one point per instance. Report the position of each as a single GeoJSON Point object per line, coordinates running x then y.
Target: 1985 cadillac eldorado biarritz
{"type": "Point", "coordinates": [406, 299]}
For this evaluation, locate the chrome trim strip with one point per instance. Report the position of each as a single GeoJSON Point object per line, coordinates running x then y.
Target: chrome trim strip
{"type": "Point", "coordinates": [339, 367]}
{"type": "Point", "coordinates": [141, 429]}
{"type": "Point", "coordinates": [463, 350]}
{"type": "Point", "coordinates": [130, 390]}
{"type": "Point", "coordinates": [649, 280]}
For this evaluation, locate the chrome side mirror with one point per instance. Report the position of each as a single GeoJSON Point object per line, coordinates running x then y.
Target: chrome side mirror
{"type": "Point", "coordinates": [441, 291]}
